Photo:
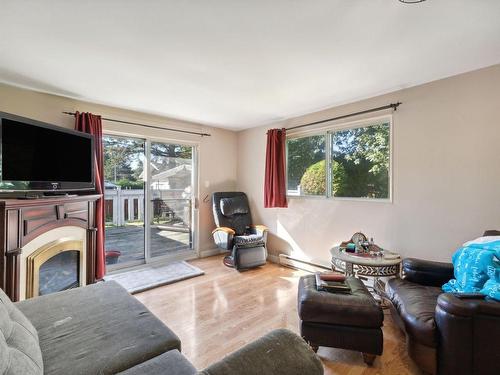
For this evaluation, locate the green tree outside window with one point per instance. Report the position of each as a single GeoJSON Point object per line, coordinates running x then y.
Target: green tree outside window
{"type": "Point", "coordinates": [359, 160]}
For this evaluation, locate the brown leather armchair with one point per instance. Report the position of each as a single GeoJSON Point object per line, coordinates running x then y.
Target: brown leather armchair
{"type": "Point", "coordinates": [445, 335]}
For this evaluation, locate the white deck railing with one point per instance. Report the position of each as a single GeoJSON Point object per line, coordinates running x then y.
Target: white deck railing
{"type": "Point", "coordinates": [125, 205]}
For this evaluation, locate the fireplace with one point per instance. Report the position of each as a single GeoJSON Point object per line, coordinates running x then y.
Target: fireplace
{"type": "Point", "coordinates": [47, 245]}
{"type": "Point", "coordinates": [55, 267]}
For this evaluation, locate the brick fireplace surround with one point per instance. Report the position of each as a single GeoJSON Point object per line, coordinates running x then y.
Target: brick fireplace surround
{"type": "Point", "coordinates": [30, 225]}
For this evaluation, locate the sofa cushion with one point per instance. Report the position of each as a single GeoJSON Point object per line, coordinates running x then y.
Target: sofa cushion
{"type": "Point", "coordinates": [416, 305]}
{"type": "Point", "coordinates": [171, 363]}
{"type": "Point", "coordinates": [19, 348]}
{"type": "Point", "coordinates": [280, 352]}
{"type": "Point", "coordinates": [358, 309]}
{"type": "Point", "coordinates": [97, 329]}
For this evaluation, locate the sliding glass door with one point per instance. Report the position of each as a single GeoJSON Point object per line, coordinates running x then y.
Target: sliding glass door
{"type": "Point", "coordinates": [149, 200]}
{"type": "Point", "coordinates": [124, 160]}
{"type": "Point", "coordinates": [171, 199]}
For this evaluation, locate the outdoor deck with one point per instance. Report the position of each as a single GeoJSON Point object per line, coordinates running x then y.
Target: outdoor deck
{"type": "Point", "coordinates": [129, 240]}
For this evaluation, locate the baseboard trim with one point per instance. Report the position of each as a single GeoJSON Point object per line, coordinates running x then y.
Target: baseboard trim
{"type": "Point", "coordinates": [301, 264]}
{"type": "Point", "coordinates": [211, 252]}
{"type": "Point", "coordinates": [273, 258]}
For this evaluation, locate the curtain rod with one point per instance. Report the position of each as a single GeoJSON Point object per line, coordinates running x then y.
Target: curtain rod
{"type": "Point", "coordinates": [394, 106]}
{"type": "Point", "coordinates": [147, 126]}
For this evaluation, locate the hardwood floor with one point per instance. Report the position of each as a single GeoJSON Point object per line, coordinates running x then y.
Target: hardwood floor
{"type": "Point", "coordinates": [223, 310]}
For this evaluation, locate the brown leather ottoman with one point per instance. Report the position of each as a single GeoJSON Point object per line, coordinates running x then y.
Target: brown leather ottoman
{"type": "Point", "coordinates": [348, 321]}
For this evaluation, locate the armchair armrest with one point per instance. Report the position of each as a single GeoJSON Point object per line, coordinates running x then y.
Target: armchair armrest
{"type": "Point", "coordinates": [491, 232]}
{"type": "Point", "coordinates": [468, 330]}
{"type": "Point", "coordinates": [450, 304]}
{"type": "Point", "coordinates": [426, 272]}
{"type": "Point", "coordinates": [260, 228]}
{"type": "Point", "coordinates": [223, 237]}
{"type": "Point", "coordinates": [280, 352]}
{"type": "Point", "coordinates": [224, 229]}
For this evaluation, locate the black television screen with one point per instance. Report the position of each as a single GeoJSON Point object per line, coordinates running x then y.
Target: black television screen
{"type": "Point", "coordinates": [40, 157]}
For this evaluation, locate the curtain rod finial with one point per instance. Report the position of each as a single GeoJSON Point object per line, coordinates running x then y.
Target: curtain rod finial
{"type": "Point", "coordinates": [396, 105]}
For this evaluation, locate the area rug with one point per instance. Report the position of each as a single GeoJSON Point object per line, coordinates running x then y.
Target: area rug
{"type": "Point", "coordinates": [152, 276]}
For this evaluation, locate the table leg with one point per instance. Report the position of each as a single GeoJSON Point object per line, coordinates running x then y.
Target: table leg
{"type": "Point", "coordinates": [369, 358]}
{"type": "Point", "coordinates": [349, 269]}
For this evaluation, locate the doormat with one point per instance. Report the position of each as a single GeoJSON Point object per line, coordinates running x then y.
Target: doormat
{"type": "Point", "coordinates": [152, 276]}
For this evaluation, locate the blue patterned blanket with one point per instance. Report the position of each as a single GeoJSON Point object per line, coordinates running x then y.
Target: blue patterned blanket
{"type": "Point", "coordinates": [477, 268]}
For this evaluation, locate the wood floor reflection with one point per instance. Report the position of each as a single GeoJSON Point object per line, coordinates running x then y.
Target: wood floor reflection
{"type": "Point", "coordinates": [223, 310]}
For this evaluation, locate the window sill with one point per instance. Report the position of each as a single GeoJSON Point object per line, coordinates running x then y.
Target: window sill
{"type": "Point", "coordinates": [341, 199]}
{"type": "Point", "coordinates": [306, 196]}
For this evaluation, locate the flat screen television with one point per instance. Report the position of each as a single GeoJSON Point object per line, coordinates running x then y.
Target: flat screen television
{"type": "Point", "coordinates": [40, 157]}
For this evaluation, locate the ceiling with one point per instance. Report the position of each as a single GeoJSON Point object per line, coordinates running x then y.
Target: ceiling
{"type": "Point", "coordinates": [238, 64]}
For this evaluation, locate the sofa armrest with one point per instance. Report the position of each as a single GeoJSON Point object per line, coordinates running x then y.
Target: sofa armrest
{"type": "Point", "coordinates": [171, 362]}
{"type": "Point", "coordinates": [280, 352]}
{"type": "Point", "coordinates": [468, 331]}
{"type": "Point", "coordinates": [468, 307]}
{"type": "Point", "coordinates": [427, 272]}
{"type": "Point", "coordinates": [491, 232]}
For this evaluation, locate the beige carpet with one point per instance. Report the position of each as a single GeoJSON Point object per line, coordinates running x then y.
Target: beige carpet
{"type": "Point", "coordinates": [152, 276]}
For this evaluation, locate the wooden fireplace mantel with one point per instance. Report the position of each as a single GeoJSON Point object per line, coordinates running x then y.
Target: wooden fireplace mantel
{"type": "Point", "coordinates": [22, 220]}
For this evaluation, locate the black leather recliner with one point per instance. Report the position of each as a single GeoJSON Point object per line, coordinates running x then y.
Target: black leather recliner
{"type": "Point", "coordinates": [446, 335]}
{"type": "Point", "coordinates": [235, 231]}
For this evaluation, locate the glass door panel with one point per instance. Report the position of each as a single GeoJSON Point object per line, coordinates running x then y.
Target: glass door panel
{"type": "Point", "coordinates": [171, 198]}
{"type": "Point", "coordinates": [124, 200]}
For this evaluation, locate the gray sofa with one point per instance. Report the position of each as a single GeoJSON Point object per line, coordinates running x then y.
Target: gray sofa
{"type": "Point", "coordinates": [102, 329]}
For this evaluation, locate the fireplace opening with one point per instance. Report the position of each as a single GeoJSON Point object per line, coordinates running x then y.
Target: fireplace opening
{"type": "Point", "coordinates": [59, 273]}
{"type": "Point", "coordinates": [55, 267]}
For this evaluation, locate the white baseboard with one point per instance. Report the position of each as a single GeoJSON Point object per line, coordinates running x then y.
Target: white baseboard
{"type": "Point", "coordinates": [309, 266]}
{"type": "Point", "coordinates": [211, 252]}
{"type": "Point", "coordinates": [273, 258]}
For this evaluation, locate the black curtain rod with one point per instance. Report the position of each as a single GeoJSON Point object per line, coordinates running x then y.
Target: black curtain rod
{"type": "Point", "coordinates": [147, 126]}
{"type": "Point", "coordinates": [394, 106]}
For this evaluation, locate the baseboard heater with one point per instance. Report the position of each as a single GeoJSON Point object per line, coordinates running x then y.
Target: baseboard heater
{"type": "Point", "coordinates": [289, 261]}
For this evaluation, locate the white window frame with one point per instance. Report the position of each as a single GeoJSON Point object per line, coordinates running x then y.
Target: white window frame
{"type": "Point", "coordinates": [327, 130]}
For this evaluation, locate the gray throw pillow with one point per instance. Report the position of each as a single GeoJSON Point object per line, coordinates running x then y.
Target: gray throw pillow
{"type": "Point", "coordinates": [20, 351]}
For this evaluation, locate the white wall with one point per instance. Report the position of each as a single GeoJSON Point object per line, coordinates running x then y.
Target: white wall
{"type": "Point", "coordinates": [217, 154]}
{"type": "Point", "coordinates": [446, 168]}
{"type": "Point", "coordinates": [446, 181]}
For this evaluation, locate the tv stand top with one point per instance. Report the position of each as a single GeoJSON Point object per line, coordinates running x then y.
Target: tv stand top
{"type": "Point", "coordinates": [13, 201]}
{"type": "Point", "coordinates": [46, 195]}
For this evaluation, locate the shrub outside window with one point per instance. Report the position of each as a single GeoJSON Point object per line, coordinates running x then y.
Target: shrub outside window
{"type": "Point", "coordinates": [353, 162]}
{"type": "Point", "coordinates": [306, 165]}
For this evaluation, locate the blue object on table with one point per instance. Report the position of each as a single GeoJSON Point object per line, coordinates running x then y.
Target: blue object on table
{"type": "Point", "coordinates": [351, 248]}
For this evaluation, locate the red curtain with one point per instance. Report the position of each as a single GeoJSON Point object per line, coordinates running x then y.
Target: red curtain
{"type": "Point", "coordinates": [91, 124]}
{"type": "Point", "coordinates": [275, 181]}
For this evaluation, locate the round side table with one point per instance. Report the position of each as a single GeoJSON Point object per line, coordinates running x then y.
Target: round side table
{"type": "Point", "coordinates": [376, 267]}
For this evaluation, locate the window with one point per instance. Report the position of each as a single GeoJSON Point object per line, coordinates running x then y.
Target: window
{"type": "Point", "coordinates": [356, 163]}
{"type": "Point", "coordinates": [306, 165]}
